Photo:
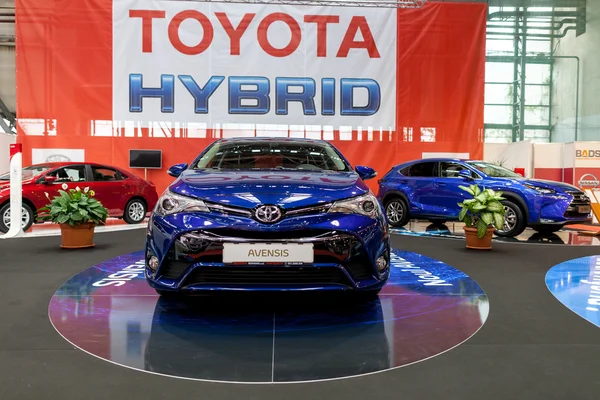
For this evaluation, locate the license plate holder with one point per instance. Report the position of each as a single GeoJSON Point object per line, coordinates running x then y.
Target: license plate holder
{"type": "Point", "coordinates": [584, 209]}
{"type": "Point", "coordinates": [263, 252]}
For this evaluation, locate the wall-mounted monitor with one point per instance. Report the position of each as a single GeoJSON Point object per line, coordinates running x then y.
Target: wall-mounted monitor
{"type": "Point", "coordinates": [151, 159]}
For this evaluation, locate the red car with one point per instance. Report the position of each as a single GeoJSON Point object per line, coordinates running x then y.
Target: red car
{"type": "Point", "coordinates": [122, 193]}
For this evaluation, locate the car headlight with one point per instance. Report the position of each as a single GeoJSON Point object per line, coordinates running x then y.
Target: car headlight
{"type": "Point", "coordinates": [366, 204]}
{"type": "Point", "coordinates": [171, 203]}
{"type": "Point", "coordinates": [540, 190]}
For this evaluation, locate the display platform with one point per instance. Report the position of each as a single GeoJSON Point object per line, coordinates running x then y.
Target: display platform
{"type": "Point", "coordinates": [576, 284]}
{"type": "Point", "coordinates": [529, 236]}
{"type": "Point", "coordinates": [426, 308]}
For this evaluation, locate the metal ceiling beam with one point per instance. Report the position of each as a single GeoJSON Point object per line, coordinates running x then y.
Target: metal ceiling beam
{"type": "Point", "coordinates": [5, 112]}
{"type": "Point", "coordinates": [339, 3]}
{"type": "Point", "coordinates": [534, 14]}
{"type": "Point", "coordinates": [537, 3]}
{"type": "Point", "coordinates": [549, 25]}
{"type": "Point", "coordinates": [535, 35]}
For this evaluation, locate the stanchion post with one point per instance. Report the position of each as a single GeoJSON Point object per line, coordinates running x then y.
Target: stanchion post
{"type": "Point", "coordinates": [16, 191]}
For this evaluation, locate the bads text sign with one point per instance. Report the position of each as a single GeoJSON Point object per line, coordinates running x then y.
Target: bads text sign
{"type": "Point", "coordinates": [241, 63]}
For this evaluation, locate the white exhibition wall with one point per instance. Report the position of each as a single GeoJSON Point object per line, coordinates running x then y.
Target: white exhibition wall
{"type": "Point", "coordinates": [510, 155]}
{"type": "Point", "coordinates": [564, 162]}
{"type": "Point", "coordinates": [6, 139]}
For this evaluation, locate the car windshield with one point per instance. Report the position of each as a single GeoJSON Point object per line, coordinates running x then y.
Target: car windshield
{"type": "Point", "coordinates": [494, 171]}
{"type": "Point", "coordinates": [272, 155]}
{"type": "Point", "coordinates": [28, 172]}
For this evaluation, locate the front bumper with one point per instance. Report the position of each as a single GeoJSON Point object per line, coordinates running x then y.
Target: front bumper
{"type": "Point", "coordinates": [568, 208]}
{"type": "Point", "coordinates": [190, 252]}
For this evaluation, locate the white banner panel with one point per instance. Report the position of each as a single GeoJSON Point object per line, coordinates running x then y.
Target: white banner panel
{"type": "Point", "coordinates": [587, 154]}
{"type": "Point", "coordinates": [205, 62]}
{"type": "Point", "coordinates": [40, 156]}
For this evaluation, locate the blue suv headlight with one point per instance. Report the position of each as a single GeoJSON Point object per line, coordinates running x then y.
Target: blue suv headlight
{"type": "Point", "coordinates": [540, 189]}
{"type": "Point", "coordinates": [366, 204]}
{"type": "Point", "coordinates": [171, 203]}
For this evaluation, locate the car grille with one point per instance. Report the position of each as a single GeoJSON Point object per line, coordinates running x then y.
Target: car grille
{"type": "Point", "coordinates": [579, 199]}
{"type": "Point", "coordinates": [206, 247]}
{"type": "Point", "coordinates": [246, 212]}
{"type": "Point", "coordinates": [225, 234]}
{"type": "Point", "coordinates": [266, 276]}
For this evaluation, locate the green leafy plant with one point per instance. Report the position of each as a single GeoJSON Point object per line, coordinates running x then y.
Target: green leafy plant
{"type": "Point", "coordinates": [483, 210]}
{"type": "Point", "coordinates": [73, 207]}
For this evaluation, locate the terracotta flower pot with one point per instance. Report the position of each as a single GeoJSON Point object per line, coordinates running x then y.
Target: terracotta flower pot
{"type": "Point", "coordinates": [474, 242]}
{"type": "Point", "coordinates": [78, 236]}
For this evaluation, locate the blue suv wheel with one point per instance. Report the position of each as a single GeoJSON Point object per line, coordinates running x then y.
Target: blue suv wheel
{"type": "Point", "coordinates": [514, 220]}
{"type": "Point", "coordinates": [396, 211]}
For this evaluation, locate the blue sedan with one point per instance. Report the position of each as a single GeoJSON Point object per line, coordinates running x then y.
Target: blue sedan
{"type": "Point", "coordinates": [268, 214]}
{"type": "Point", "coordinates": [429, 189]}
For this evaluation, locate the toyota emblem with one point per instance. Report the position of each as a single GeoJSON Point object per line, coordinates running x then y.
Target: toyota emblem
{"type": "Point", "coordinates": [267, 214]}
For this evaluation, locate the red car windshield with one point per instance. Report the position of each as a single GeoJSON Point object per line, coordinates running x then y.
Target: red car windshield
{"type": "Point", "coordinates": [28, 172]}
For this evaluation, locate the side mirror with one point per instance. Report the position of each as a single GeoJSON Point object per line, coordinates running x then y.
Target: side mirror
{"type": "Point", "coordinates": [365, 172]}
{"type": "Point", "coordinates": [177, 169]}
{"type": "Point", "coordinates": [466, 174]}
{"type": "Point", "coordinates": [49, 179]}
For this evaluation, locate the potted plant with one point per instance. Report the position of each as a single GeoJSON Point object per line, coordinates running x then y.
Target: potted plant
{"type": "Point", "coordinates": [482, 215]}
{"type": "Point", "coordinates": [77, 212]}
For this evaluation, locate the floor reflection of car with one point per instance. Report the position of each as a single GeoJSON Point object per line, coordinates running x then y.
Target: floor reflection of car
{"type": "Point", "coordinates": [268, 214]}
{"type": "Point", "coordinates": [429, 189]}
{"type": "Point", "coordinates": [124, 194]}
{"type": "Point", "coordinates": [313, 340]}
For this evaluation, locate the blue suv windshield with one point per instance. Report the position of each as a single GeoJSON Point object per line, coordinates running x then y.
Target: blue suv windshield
{"type": "Point", "coordinates": [259, 155]}
{"type": "Point", "coordinates": [494, 171]}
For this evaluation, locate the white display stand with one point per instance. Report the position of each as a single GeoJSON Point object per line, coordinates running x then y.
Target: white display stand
{"type": "Point", "coordinates": [16, 191]}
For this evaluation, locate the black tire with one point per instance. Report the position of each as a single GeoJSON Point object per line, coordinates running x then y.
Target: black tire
{"type": "Point", "coordinates": [393, 207]}
{"type": "Point", "coordinates": [547, 229]}
{"type": "Point", "coordinates": [515, 220]}
{"type": "Point", "coordinates": [135, 211]}
{"type": "Point", "coordinates": [5, 208]}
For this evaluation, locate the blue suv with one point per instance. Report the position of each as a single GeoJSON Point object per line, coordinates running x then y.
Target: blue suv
{"type": "Point", "coordinates": [429, 189]}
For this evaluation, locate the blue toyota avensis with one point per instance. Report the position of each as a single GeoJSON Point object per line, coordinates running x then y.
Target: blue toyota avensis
{"type": "Point", "coordinates": [429, 189]}
{"type": "Point", "coordinates": [268, 214]}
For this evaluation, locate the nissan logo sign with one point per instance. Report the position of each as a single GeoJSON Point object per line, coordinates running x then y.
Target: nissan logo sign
{"type": "Point", "coordinates": [588, 181]}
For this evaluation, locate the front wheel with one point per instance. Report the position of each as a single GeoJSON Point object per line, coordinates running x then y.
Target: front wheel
{"type": "Point", "coordinates": [135, 211]}
{"type": "Point", "coordinates": [396, 211]}
{"type": "Point", "coordinates": [26, 217]}
{"type": "Point", "coordinates": [514, 220]}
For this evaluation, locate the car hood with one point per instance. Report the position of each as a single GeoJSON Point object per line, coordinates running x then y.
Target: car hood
{"type": "Point", "coordinates": [5, 185]}
{"type": "Point", "coordinates": [288, 189]}
{"type": "Point", "coordinates": [560, 186]}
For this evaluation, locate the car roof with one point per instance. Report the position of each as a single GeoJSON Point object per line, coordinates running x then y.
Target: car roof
{"type": "Point", "coordinates": [271, 139]}
{"type": "Point", "coordinates": [55, 164]}
{"type": "Point", "coordinates": [439, 159]}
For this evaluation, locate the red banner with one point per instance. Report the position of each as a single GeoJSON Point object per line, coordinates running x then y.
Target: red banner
{"type": "Point", "coordinates": [65, 92]}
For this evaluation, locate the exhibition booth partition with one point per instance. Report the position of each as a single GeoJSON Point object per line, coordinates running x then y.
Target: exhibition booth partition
{"type": "Point", "coordinates": [6, 139]}
{"type": "Point", "coordinates": [575, 163]}
{"type": "Point", "coordinates": [383, 85]}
